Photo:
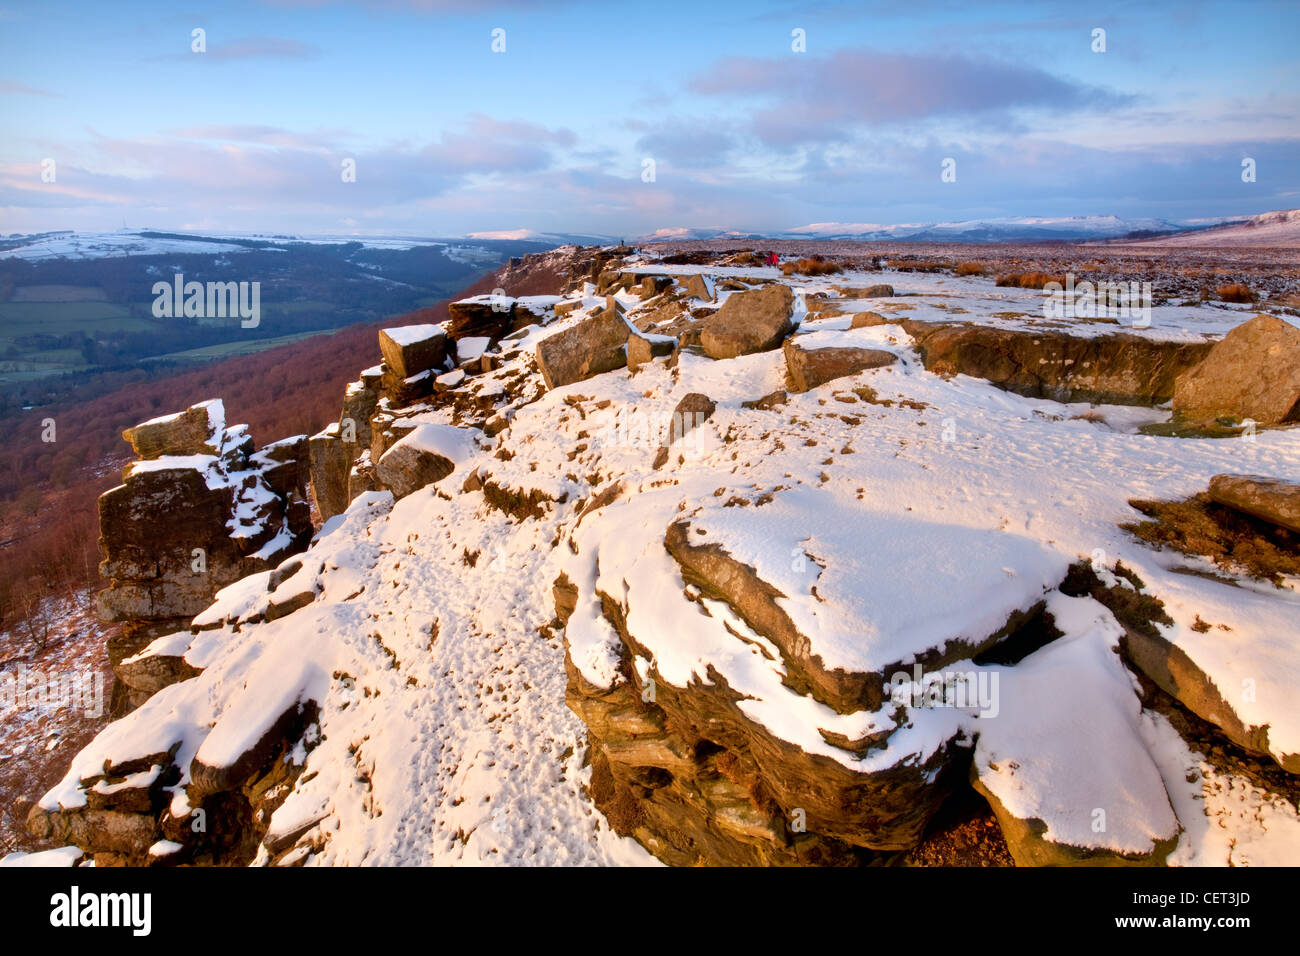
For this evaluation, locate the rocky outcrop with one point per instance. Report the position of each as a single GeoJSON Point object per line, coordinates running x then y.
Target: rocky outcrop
{"type": "Point", "coordinates": [486, 315]}
{"type": "Point", "coordinates": [426, 454]}
{"type": "Point", "coordinates": [592, 346]}
{"type": "Point", "coordinates": [1272, 499]}
{"type": "Point", "coordinates": [203, 511]}
{"type": "Point", "coordinates": [1252, 373]}
{"type": "Point", "coordinates": [190, 432]}
{"type": "Point", "coordinates": [412, 349]}
{"type": "Point", "coordinates": [747, 322]}
{"type": "Point", "coordinates": [330, 462]}
{"type": "Point", "coordinates": [809, 365]}
{"type": "Point", "coordinates": [696, 781]}
{"type": "Point", "coordinates": [1123, 368]}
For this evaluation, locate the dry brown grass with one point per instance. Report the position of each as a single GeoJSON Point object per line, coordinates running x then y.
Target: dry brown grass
{"type": "Point", "coordinates": [813, 266]}
{"type": "Point", "coordinates": [1028, 280]}
{"type": "Point", "coordinates": [1234, 292]}
{"type": "Point", "coordinates": [970, 269]}
{"type": "Point", "coordinates": [1232, 540]}
{"type": "Point", "coordinates": [915, 265]}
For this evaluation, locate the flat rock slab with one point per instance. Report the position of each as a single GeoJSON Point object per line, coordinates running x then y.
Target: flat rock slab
{"type": "Point", "coordinates": [810, 366]}
{"type": "Point", "coordinates": [1271, 499]}
{"type": "Point", "coordinates": [1123, 368]}
{"type": "Point", "coordinates": [1176, 673]}
{"type": "Point", "coordinates": [848, 594]}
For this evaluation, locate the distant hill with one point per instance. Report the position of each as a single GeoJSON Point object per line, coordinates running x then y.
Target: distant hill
{"type": "Point", "coordinates": [1280, 229]}
{"type": "Point", "coordinates": [1013, 229]}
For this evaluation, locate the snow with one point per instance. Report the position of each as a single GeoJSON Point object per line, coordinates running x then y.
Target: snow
{"type": "Point", "coordinates": [169, 645]}
{"type": "Point", "coordinates": [1066, 748]}
{"type": "Point", "coordinates": [60, 856]}
{"type": "Point", "coordinates": [131, 242]}
{"type": "Point", "coordinates": [411, 334]}
{"type": "Point", "coordinates": [1280, 228]}
{"type": "Point", "coordinates": [869, 588]}
{"type": "Point", "coordinates": [206, 465]}
{"type": "Point", "coordinates": [471, 348]}
{"type": "Point", "coordinates": [457, 445]}
{"type": "Point", "coordinates": [1227, 820]}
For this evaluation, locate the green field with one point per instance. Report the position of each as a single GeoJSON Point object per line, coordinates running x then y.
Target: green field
{"type": "Point", "coordinates": [60, 318]}
{"type": "Point", "coordinates": [227, 349]}
{"type": "Point", "coordinates": [58, 293]}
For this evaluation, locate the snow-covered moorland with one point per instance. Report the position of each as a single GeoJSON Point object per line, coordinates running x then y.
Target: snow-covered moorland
{"type": "Point", "coordinates": [730, 616]}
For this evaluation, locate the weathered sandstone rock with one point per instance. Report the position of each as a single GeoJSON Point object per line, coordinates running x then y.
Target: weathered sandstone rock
{"type": "Point", "coordinates": [428, 453]}
{"type": "Point", "coordinates": [809, 367]}
{"type": "Point", "coordinates": [1123, 368]}
{"type": "Point", "coordinates": [749, 322]}
{"type": "Point", "coordinates": [1253, 373]}
{"type": "Point", "coordinates": [190, 432]}
{"type": "Point", "coordinates": [595, 345]}
{"type": "Point", "coordinates": [412, 349]}
{"type": "Point", "coordinates": [1272, 499]}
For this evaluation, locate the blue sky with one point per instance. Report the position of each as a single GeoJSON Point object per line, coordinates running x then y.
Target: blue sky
{"type": "Point", "coordinates": [449, 137]}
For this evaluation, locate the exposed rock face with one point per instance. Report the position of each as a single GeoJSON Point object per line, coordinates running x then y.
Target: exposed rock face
{"type": "Point", "coordinates": [359, 402]}
{"type": "Point", "coordinates": [748, 322]}
{"type": "Point", "coordinates": [1272, 499]}
{"type": "Point", "coordinates": [146, 674]}
{"type": "Point", "coordinates": [1252, 373]}
{"type": "Point", "coordinates": [1121, 369]}
{"type": "Point", "coordinates": [687, 773]}
{"type": "Point", "coordinates": [809, 367]}
{"type": "Point", "coordinates": [595, 345]}
{"type": "Point", "coordinates": [330, 464]}
{"type": "Point", "coordinates": [696, 782]}
{"type": "Point", "coordinates": [128, 805]}
{"type": "Point", "coordinates": [881, 291]}
{"type": "Point", "coordinates": [485, 315]}
{"type": "Point", "coordinates": [185, 524]}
